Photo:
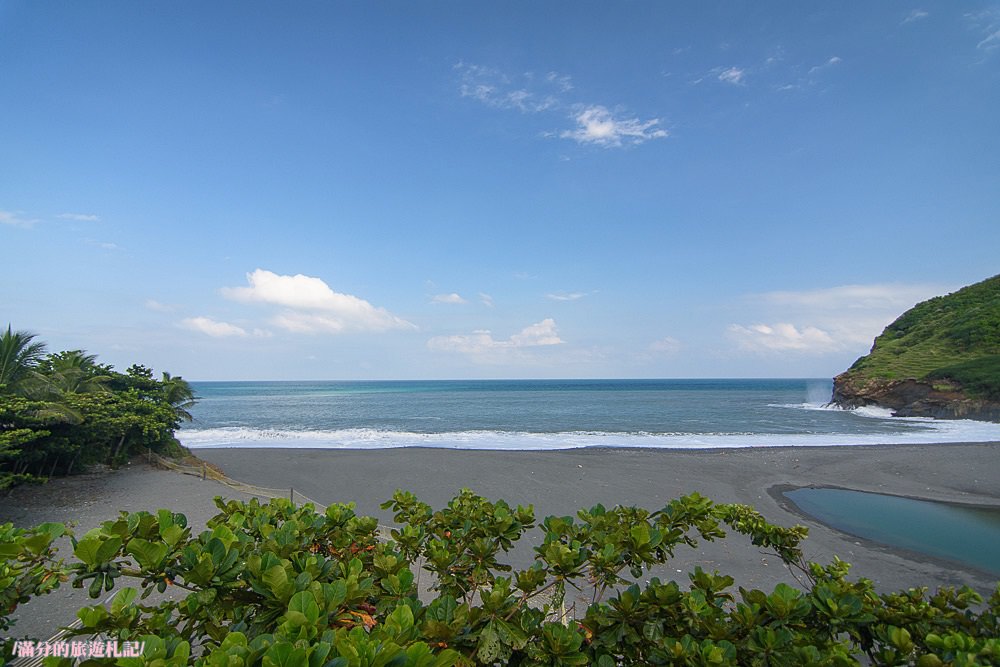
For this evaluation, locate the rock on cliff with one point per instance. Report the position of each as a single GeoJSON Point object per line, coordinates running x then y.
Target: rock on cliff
{"type": "Point", "coordinates": [913, 398]}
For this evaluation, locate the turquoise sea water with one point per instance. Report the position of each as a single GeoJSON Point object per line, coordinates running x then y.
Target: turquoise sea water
{"type": "Point", "coordinates": [548, 414]}
{"type": "Point", "coordinates": [954, 532]}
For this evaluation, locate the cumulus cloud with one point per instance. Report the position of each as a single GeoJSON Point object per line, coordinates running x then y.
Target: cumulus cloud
{"type": "Point", "coordinates": [312, 307]}
{"type": "Point", "coordinates": [597, 125]}
{"type": "Point", "coordinates": [78, 217]}
{"type": "Point", "coordinates": [448, 298]}
{"type": "Point", "coordinates": [482, 342]}
{"type": "Point", "coordinates": [486, 299]}
{"type": "Point", "coordinates": [14, 219]}
{"type": "Point", "coordinates": [782, 337]}
{"type": "Point", "coordinates": [213, 328]}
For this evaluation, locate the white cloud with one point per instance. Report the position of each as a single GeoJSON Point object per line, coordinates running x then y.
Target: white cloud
{"type": "Point", "coordinates": [527, 93]}
{"type": "Point", "coordinates": [542, 333]}
{"type": "Point", "coordinates": [313, 306]}
{"type": "Point", "coordinates": [843, 318]}
{"type": "Point", "coordinates": [486, 299]}
{"type": "Point", "coordinates": [448, 298]}
{"type": "Point", "coordinates": [991, 42]}
{"type": "Point", "coordinates": [732, 75]}
{"type": "Point", "coordinates": [533, 93]}
{"type": "Point", "coordinates": [665, 345]}
{"type": "Point", "coordinates": [886, 296]}
{"type": "Point", "coordinates": [482, 342]}
{"type": "Point", "coordinates": [835, 60]}
{"type": "Point", "coordinates": [79, 217]}
{"type": "Point", "coordinates": [154, 305]}
{"type": "Point", "coordinates": [299, 322]}
{"type": "Point", "coordinates": [597, 125]}
{"type": "Point", "coordinates": [987, 23]}
{"type": "Point", "coordinates": [15, 220]}
{"type": "Point", "coordinates": [782, 337]}
{"type": "Point", "coordinates": [213, 328]}
{"type": "Point", "coordinates": [916, 15]}
{"type": "Point", "coordinates": [564, 296]}
{"type": "Point", "coordinates": [562, 82]}
{"type": "Point", "coordinates": [105, 245]}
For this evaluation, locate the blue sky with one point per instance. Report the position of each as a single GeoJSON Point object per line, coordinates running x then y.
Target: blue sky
{"type": "Point", "coordinates": [249, 190]}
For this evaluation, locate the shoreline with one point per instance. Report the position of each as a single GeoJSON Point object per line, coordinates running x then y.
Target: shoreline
{"type": "Point", "coordinates": [979, 494]}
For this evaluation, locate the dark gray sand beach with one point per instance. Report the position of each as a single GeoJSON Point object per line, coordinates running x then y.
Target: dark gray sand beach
{"type": "Point", "coordinates": [558, 482]}
{"type": "Point", "coordinates": [561, 482]}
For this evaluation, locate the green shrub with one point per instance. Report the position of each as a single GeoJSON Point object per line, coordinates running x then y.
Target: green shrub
{"type": "Point", "coordinates": [979, 377]}
{"type": "Point", "coordinates": [275, 584]}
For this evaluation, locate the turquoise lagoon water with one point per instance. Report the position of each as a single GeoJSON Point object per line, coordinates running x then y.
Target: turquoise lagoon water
{"type": "Point", "coordinates": [548, 414]}
{"type": "Point", "coordinates": [961, 533]}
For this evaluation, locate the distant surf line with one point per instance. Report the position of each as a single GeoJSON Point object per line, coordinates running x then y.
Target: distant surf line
{"type": "Point", "coordinates": [935, 432]}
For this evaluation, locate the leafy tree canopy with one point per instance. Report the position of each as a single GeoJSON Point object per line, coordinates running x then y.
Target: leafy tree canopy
{"type": "Point", "coordinates": [62, 411]}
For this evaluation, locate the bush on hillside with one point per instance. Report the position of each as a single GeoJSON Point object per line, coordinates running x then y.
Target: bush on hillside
{"type": "Point", "coordinates": [980, 377]}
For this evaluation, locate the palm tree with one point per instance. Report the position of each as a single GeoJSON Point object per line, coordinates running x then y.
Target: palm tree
{"type": "Point", "coordinates": [179, 394]}
{"type": "Point", "coordinates": [76, 372]}
{"type": "Point", "coordinates": [19, 357]}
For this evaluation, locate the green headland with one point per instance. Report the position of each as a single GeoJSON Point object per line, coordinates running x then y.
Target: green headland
{"type": "Point", "coordinates": [939, 359]}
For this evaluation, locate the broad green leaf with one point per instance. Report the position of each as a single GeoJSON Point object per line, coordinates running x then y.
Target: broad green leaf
{"type": "Point", "coordinates": [172, 534]}
{"type": "Point", "coordinates": [124, 598]}
{"type": "Point", "coordinates": [108, 548]}
{"type": "Point", "coordinates": [284, 654]}
{"type": "Point", "coordinates": [149, 555]}
{"type": "Point", "coordinates": [10, 549]}
{"type": "Point", "coordinates": [304, 603]}
{"type": "Point", "coordinates": [276, 580]}
{"type": "Point", "coordinates": [86, 550]}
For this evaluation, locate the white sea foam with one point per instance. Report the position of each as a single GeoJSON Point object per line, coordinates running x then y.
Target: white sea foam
{"type": "Point", "coordinates": [871, 411]}
{"type": "Point", "coordinates": [929, 431]}
{"type": "Point", "coordinates": [875, 412]}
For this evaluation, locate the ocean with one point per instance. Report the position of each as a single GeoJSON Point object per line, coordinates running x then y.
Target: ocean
{"type": "Point", "coordinates": [549, 415]}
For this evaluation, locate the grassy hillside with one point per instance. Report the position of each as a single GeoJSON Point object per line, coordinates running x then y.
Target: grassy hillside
{"type": "Point", "coordinates": [953, 337]}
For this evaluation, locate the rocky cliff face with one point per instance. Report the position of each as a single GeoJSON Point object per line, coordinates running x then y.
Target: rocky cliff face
{"type": "Point", "coordinates": [913, 398]}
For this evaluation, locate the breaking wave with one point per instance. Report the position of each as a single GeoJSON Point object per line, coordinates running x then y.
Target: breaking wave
{"type": "Point", "coordinates": [927, 431]}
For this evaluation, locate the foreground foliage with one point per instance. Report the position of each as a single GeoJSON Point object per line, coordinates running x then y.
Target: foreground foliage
{"type": "Point", "coordinates": [279, 585]}
{"type": "Point", "coordinates": [61, 412]}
